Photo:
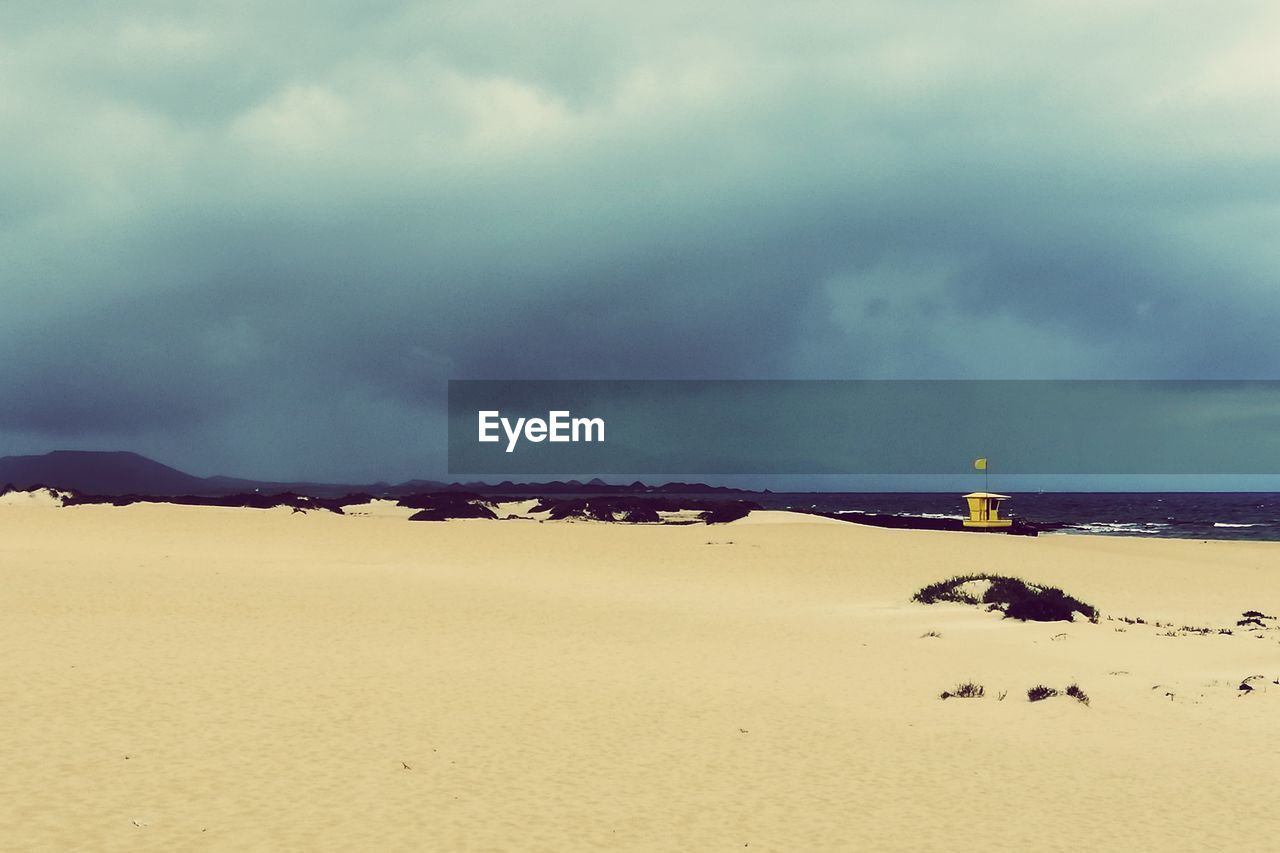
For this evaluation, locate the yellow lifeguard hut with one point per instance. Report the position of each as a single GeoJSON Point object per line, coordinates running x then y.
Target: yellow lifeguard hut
{"type": "Point", "coordinates": [984, 510]}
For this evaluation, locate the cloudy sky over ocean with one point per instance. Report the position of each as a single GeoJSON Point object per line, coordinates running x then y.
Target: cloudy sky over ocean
{"type": "Point", "coordinates": [257, 239]}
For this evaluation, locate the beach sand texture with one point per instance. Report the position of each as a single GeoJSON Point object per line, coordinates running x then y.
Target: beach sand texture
{"type": "Point", "coordinates": [196, 678]}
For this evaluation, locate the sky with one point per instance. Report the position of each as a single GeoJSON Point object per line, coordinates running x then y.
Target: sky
{"type": "Point", "coordinates": [257, 239]}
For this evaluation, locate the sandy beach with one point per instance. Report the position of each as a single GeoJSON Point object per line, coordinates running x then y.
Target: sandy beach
{"type": "Point", "coordinates": [197, 678]}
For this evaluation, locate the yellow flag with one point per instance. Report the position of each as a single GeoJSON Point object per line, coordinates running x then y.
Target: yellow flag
{"type": "Point", "coordinates": [980, 464]}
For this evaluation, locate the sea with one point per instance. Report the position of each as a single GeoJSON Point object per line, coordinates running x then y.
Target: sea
{"type": "Point", "coordinates": [1166, 515]}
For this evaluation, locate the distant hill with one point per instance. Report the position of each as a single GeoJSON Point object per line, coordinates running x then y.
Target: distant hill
{"type": "Point", "coordinates": [94, 472]}
{"type": "Point", "coordinates": [124, 473]}
{"type": "Point", "coordinates": [102, 473]}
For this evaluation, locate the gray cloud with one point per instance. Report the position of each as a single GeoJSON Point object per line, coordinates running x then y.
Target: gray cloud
{"type": "Point", "coordinates": [232, 224]}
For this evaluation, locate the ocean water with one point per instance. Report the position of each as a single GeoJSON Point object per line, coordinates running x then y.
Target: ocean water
{"type": "Point", "coordinates": [1171, 515]}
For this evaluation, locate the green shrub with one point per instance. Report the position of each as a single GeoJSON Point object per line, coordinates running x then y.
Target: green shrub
{"type": "Point", "coordinates": [948, 590]}
{"type": "Point", "coordinates": [968, 690]}
{"type": "Point", "coordinates": [1015, 598]}
{"type": "Point", "coordinates": [1040, 692]}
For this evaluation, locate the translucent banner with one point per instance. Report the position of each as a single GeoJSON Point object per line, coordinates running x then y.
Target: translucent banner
{"type": "Point", "coordinates": [539, 427]}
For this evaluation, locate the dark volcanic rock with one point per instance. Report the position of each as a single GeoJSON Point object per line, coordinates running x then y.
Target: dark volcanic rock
{"type": "Point", "coordinates": [441, 506]}
{"type": "Point", "coordinates": [628, 508]}
{"type": "Point", "coordinates": [915, 522]}
{"type": "Point", "coordinates": [727, 512]}
{"type": "Point", "coordinates": [448, 511]}
{"type": "Point", "coordinates": [613, 508]}
{"type": "Point", "coordinates": [250, 500]}
{"type": "Point", "coordinates": [431, 500]}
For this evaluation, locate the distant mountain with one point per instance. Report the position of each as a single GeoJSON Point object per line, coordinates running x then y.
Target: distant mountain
{"type": "Point", "coordinates": [236, 485]}
{"type": "Point", "coordinates": [103, 473]}
{"type": "Point", "coordinates": [123, 473]}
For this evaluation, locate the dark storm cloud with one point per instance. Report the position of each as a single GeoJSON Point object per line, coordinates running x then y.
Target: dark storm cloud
{"type": "Point", "coordinates": [258, 239]}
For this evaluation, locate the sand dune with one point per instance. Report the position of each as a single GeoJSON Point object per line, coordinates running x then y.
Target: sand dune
{"type": "Point", "coordinates": [195, 678]}
{"type": "Point", "coordinates": [32, 498]}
